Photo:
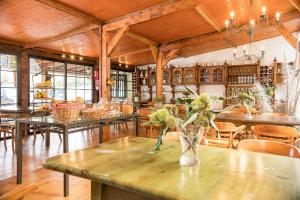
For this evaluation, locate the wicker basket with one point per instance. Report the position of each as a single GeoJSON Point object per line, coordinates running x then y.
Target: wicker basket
{"type": "Point", "coordinates": [66, 111]}
{"type": "Point", "coordinates": [92, 113]}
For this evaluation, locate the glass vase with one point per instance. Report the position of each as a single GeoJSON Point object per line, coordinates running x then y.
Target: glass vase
{"type": "Point", "coordinates": [189, 147]}
{"type": "Point", "coordinates": [248, 114]}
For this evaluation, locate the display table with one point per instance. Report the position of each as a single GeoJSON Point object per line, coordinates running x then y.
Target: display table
{"type": "Point", "coordinates": [65, 128]}
{"type": "Point", "coordinates": [127, 169]}
{"type": "Point", "coordinates": [259, 119]}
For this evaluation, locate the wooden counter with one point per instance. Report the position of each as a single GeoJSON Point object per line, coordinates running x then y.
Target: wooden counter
{"type": "Point", "coordinates": [127, 169]}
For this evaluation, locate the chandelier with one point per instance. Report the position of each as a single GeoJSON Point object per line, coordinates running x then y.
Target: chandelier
{"type": "Point", "coordinates": [263, 22]}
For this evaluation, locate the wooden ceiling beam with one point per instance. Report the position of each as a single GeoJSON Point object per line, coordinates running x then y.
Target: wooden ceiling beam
{"type": "Point", "coordinates": [94, 37]}
{"type": "Point", "coordinates": [75, 31]}
{"type": "Point", "coordinates": [296, 4]}
{"type": "Point", "coordinates": [215, 36]}
{"type": "Point", "coordinates": [169, 57]}
{"type": "Point", "coordinates": [141, 38]}
{"type": "Point", "coordinates": [70, 10]}
{"type": "Point", "coordinates": [154, 51]}
{"type": "Point", "coordinates": [116, 38]}
{"type": "Point", "coordinates": [207, 18]}
{"type": "Point", "coordinates": [147, 14]}
{"type": "Point", "coordinates": [128, 53]}
{"type": "Point", "coordinates": [288, 36]}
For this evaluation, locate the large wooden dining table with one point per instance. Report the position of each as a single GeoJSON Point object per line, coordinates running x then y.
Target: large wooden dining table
{"type": "Point", "coordinates": [127, 169]}
{"type": "Point", "coordinates": [240, 119]}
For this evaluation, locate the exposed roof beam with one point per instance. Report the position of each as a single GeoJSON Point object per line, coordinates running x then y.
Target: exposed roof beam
{"type": "Point", "coordinates": [70, 10]}
{"type": "Point", "coordinates": [296, 4]}
{"type": "Point", "coordinates": [154, 51]}
{"type": "Point", "coordinates": [153, 12]}
{"type": "Point", "coordinates": [141, 38]}
{"type": "Point", "coordinates": [168, 57]}
{"type": "Point", "coordinates": [116, 38]}
{"type": "Point", "coordinates": [94, 37]}
{"type": "Point", "coordinates": [206, 38]}
{"type": "Point", "coordinates": [207, 18]}
{"type": "Point", "coordinates": [61, 36]}
{"type": "Point", "coordinates": [128, 53]}
{"type": "Point", "coordinates": [288, 36]}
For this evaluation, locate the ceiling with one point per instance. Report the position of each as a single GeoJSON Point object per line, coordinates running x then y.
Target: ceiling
{"type": "Point", "coordinates": [29, 21]}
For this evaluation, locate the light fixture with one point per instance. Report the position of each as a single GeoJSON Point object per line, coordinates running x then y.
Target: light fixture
{"type": "Point", "coordinates": [72, 57]}
{"type": "Point", "coordinates": [232, 27]}
{"type": "Point", "coordinates": [80, 58]}
{"type": "Point", "coordinates": [63, 56]}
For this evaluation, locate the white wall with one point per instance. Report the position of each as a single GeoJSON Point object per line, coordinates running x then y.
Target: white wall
{"type": "Point", "coordinates": [275, 47]}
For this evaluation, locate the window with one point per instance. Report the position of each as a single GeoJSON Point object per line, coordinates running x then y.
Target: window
{"type": "Point", "coordinates": [8, 79]}
{"type": "Point", "coordinates": [123, 87]}
{"type": "Point", "coordinates": [69, 80]}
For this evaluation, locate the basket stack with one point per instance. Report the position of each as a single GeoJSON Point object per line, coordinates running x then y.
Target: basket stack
{"type": "Point", "coordinates": [66, 111]}
{"type": "Point", "coordinates": [93, 113]}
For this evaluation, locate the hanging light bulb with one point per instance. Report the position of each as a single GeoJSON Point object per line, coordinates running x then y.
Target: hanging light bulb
{"type": "Point", "coordinates": [263, 10]}
{"type": "Point", "coordinates": [226, 23]}
{"type": "Point", "coordinates": [232, 14]}
{"type": "Point", "coordinates": [252, 22]}
{"type": "Point", "coordinates": [80, 58]}
{"type": "Point", "coordinates": [63, 55]}
{"type": "Point", "coordinates": [277, 16]}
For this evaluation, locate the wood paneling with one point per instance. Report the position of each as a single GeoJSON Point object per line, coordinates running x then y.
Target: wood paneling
{"type": "Point", "coordinates": [108, 10]}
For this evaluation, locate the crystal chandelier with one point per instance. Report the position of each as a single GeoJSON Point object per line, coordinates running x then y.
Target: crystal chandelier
{"type": "Point", "coordinates": [263, 22]}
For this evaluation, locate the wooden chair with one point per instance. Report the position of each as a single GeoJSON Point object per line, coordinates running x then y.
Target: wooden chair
{"type": "Point", "coordinates": [144, 112]}
{"type": "Point", "coordinates": [226, 135]}
{"type": "Point", "coordinates": [271, 147]}
{"type": "Point", "coordinates": [7, 127]}
{"type": "Point", "coordinates": [283, 134]}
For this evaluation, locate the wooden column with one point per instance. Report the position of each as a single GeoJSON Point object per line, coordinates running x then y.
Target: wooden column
{"type": "Point", "coordinates": [24, 80]}
{"type": "Point", "coordinates": [105, 67]}
{"type": "Point", "coordinates": [161, 64]}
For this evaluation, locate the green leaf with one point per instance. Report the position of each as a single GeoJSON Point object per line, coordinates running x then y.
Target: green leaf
{"type": "Point", "coordinates": [216, 111]}
{"type": "Point", "coordinates": [190, 119]}
{"type": "Point", "coordinates": [191, 91]}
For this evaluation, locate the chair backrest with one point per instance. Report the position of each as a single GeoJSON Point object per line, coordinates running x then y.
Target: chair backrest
{"type": "Point", "coordinates": [225, 126]}
{"type": "Point", "coordinates": [144, 112]}
{"type": "Point", "coordinates": [284, 134]}
{"type": "Point", "coordinates": [244, 110]}
{"type": "Point", "coordinates": [274, 114]}
{"type": "Point", "coordinates": [271, 147]}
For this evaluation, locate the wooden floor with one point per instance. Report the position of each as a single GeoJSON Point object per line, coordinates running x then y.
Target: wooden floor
{"type": "Point", "coordinates": [50, 183]}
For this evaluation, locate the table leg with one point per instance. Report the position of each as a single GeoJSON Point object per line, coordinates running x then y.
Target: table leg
{"type": "Point", "coordinates": [66, 150]}
{"type": "Point", "coordinates": [96, 190]}
{"type": "Point", "coordinates": [137, 125]}
{"type": "Point", "coordinates": [19, 151]}
{"type": "Point", "coordinates": [47, 138]}
{"type": "Point", "coordinates": [100, 133]}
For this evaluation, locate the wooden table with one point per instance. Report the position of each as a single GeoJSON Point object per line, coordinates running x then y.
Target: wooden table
{"type": "Point", "coordinates": [127, 169]}
{"type": "Point", "coordinates": [65, 128]}
{"type": "Point", "coordinates": [259, 119]}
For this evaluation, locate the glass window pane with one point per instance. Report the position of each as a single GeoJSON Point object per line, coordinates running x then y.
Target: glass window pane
{"type": "Point", "coordinates": [71, 70]}
{"type": "Point", "coordinates": [59, 82]}
{"type": "Point", "coordinates": [59, 94]}
{"type": "Point", "coordinates": [80, 71]}
{"type": "Point", "coordinates": [8, 62]}
{"type": "Point", "coordinates": [59, 68]}
{"type": "Point", "coordinates": [71, 82]}
{"type": "Point", "coordinates": [88, 84]}
{"type": "Point", "coordinates": [8, 96]}
{"type": "Point", "coordinates": [71, 94]}
{"type": "Point", "coordinates": [80, 83]}
{"type": "Point", "coordinates": [88, 96]}
{"type": "Point", "coordinates": [8, 79]}
{"type": "Point", "coordinates": [80, 93]}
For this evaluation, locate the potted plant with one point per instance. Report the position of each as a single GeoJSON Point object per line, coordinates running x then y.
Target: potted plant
{"type": "Point", "coordinates": [198, 116]}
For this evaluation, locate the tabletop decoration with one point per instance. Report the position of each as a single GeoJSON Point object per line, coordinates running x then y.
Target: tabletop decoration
{"type": "Point", "coordinates": [159, 101]}
{"type": "Point", "coordinates": [198, 116]}
{"type": "Point", "coordinates": [247, 99]}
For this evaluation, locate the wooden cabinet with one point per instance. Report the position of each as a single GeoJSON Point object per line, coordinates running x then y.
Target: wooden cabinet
{"type": "Point", "coordinates": [243, 74]}
{"type": "Point", "coordinates": [177, 76]}
{"type": "Point", "coordinates": [189, 75]}
{"type": "Point", "coordinates": [167, 77]}
{"type": "Point", "coordinates": [152, 77]}
{"type": "Point", "coordinates": [212, 75]}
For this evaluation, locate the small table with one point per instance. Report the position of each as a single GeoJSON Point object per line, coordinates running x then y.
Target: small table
{"type": "Point", "coordinates": [127, 169]}
{"type": "Point", "coordinates": [259, 119]}
{"type": "Point", "coordinates": [65, 128]}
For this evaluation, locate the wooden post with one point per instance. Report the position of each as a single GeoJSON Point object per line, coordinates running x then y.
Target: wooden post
{"type": "Point", "coordinates": [161, 64]}
{"type": "Point", "coordinates": [24, 83]}
{"type": "Point", "coordinates": [159, 75]}
{"type": "Point", "coordinates": [104, 76]}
